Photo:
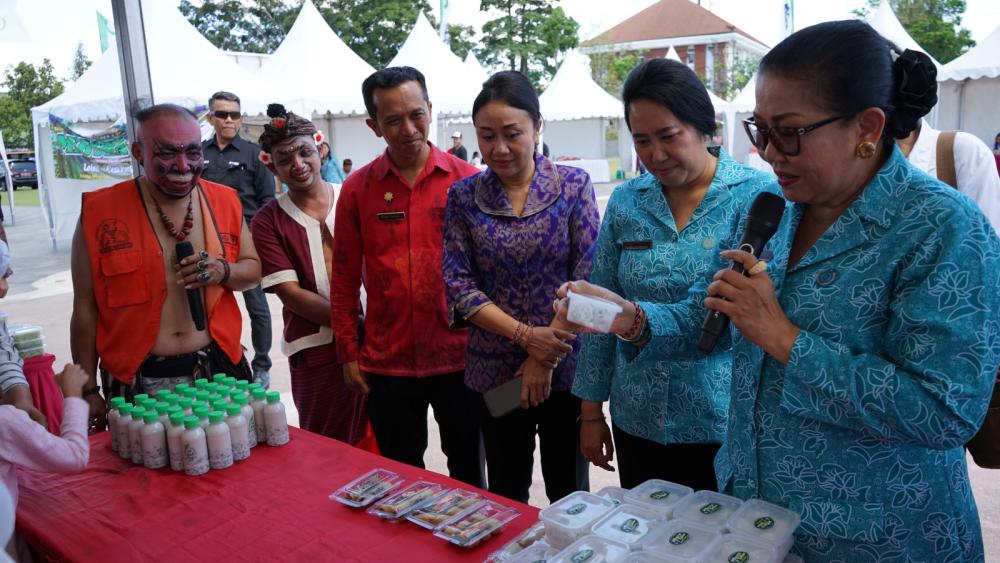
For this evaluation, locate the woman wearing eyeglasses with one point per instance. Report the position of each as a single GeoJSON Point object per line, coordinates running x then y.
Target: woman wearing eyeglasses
{"type": "Point", "coordinates": [865, 352]}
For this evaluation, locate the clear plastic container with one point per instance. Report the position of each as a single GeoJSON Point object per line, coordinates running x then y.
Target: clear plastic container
{"type": "Point", "coordinates": [592, 549]}
{"type": "Point", "coordinates": [659, 495]}
{"type": "Point", "coordinates": [443, 507]}
{"type": "Point", "coordinates": [30, 343]}
{"type": "Point", "coordinates": [32, 352]}
{"type": "Point", "coordinates": [526, 539]}
{"type": "Point", "coordinates": [21, 333]}
{"type": "Point", "coordinates": [737, 548]}
{"type": "Point", "coordinates": [592, 312]}
{"type": "Point", "coordinates": [707, 507]}
{"type": "Point", "coordinates": [628, 524]}
{"type": "Point", "coordinates": [469, 529]}
{"type": "Point", "coordinates": [680, 541]}
{"type": "Point", "coordinates": [400, 503]}
{"type": "Point", "coordinates": [612, 493]}
{"type": "Point", "coordinates": [765, 522]}
{"type": "Point", "coordinates": [571, 517]}
{"type": "Point", "coordinates": [368, 488]}
{"type": "Point", "coordinates": [534, 554]}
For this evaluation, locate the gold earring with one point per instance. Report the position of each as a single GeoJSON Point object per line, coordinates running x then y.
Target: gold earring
{"type": "Point", "coordinates": [865, 149]}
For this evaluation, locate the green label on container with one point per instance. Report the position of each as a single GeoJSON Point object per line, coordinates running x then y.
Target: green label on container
{"type": "Point", "coordinates": [629, 526]}
{"type": "Point", "coordinates": [739, 557]}
{"type": "Point", "coordinates": [659, 495]}
{"type": "Point", "coordinates": [711, 508]}
{"type": "Point", "coordinates": [764, 523]}
{"type": "Point", "coordinates": [576, 508]}
{"type": "Point", "coordinates": [680, 538]}
{"type": "Point", "coordinates": [581, 556]}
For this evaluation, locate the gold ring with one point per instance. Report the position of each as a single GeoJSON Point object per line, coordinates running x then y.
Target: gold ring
{"type": "Point", "coordinates": [760, 266]}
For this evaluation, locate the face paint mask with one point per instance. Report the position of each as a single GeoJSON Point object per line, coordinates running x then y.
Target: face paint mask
{"type": "Point", "coordinates": [174, 169]}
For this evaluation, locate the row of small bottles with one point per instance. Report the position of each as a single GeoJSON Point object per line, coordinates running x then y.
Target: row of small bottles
{"type": "Point", "coordinates": [194, 429]}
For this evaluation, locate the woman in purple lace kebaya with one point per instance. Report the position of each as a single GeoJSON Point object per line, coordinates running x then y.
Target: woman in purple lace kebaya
{"type": "Point", "coordinates": [513, 234]}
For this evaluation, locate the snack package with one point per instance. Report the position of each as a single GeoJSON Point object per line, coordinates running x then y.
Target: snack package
{"type": "Point", "coordinates": [527, 538]}
{"type": "Point", "coordinates": [366, 489]}
{"type": "Point", "coordinates": [627, 524]}
{"type": "Point", "coordinates": [444, 506]}
{"type": "Point", "coordinates": [571, 517]}
{"type": "Point", "coordinates": [473, 527]}
{"type": "Point", "coordinates": [658, 495]}
{"type": "Point", "coordinates": [403, 501]}
{"type": "Point", "coordinates": [591, 312]}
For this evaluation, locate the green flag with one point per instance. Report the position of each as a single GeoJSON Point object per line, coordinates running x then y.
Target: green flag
{"type": "Point", "coordinates": [105, 29]}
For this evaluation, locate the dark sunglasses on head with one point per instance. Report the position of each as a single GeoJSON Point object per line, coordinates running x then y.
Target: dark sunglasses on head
{"type": "Point", "coordinates": [234, 115]}
{"type": "Point", "coordinates": [785, 139]}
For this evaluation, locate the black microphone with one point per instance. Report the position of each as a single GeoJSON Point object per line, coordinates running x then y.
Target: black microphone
{"type": "Point", "coordinates": [762, 222]}
{"type": "Point", "coordinates": [197, 306]}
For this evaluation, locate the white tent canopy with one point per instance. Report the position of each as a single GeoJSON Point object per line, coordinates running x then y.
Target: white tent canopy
{"type": "Point", "coordinates": [479, 74]}
{"type": "Point", "coordinates": [970, 88]}
{"type": "Point", "coordinates": [982, 61]}
{"type": "Point", "coordinates": [573, 94]}
{"type": "Point", "coordinates": [672, 55]}
{"type": "Point", "coordinates": [335, 86]}
{"type": "Point", "coordinates": [884, 20]}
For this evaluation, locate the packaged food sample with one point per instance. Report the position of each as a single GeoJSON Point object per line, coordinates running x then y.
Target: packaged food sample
{"type": "Point", "coordinates": [368, 488]}
{"type": "Point", "coordinates": [628, 524]}
{"type": "Point", "coordinates": [527, 538]}
{"type": "Point", "coordinates": [737, 548]}
{"type": "Point", "coordinates": [24, 333]}
{"type": "Point", "coordinates": [765, 522]}
{"type": "Point", "coordinates": [469, 529]}
{"type": "Point", "coordinates": [680, 541]}
{"type": "Point", "coordinates": [707, 507]}
{"type": "Point", "coordinates": [592, 549]}
{"type": "Point", "coordinates": [661, 496]}
{"type": "Point", "coordinates": [403, 501]}
{"type": "Point", "coordinates": [612, 493]}
{"type": "Point", "coordinates": [591, 312]}
{"type": "Point", "coordinates": [538, 553]}
{"type": "Point", "coordinates": [571, 517]}
{"type": "Point", "coordinates": [444, 506]}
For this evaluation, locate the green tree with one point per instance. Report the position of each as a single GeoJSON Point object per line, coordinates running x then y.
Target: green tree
{"type": "Point", "coordinates": [609, 69]}
{"type": "Point", "coordinates": [80, 63]}
{"type": "Point", "coordinates": [460, 39]}
{"type": "Point", "coordinates": [731, 79]}
{"type": "Point", "coordinates": [374, 29]}
{"type": "Point", "coordinates": [27, 86]}
{"type": "Point", "coordinates": [528, 36]}
{"type": "Point", "coordinates": [254, 26]}
{"type": "Point", "coordinates": [936, 25]}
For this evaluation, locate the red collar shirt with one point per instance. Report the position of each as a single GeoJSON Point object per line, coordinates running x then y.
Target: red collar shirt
{"type": "Point", "coordinates": [389, 235]}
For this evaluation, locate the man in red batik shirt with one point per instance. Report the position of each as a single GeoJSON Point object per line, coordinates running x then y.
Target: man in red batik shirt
{"type": "Point", "coordinates": [389, 232]}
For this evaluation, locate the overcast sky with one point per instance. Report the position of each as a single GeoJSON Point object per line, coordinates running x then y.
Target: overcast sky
{"type": "Point", "coordinates": [55, 26]}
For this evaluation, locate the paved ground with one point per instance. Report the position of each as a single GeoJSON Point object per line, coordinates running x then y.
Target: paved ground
{"type": "Point", "coordinates": [41, 293]}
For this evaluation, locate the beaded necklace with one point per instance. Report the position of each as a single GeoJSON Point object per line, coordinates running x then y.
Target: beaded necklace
{"type": "Point", "coordinates": [169, 225]}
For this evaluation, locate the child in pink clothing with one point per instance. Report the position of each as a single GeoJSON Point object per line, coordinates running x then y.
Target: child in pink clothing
{"type": "Point", "coordinates": [25, 443]}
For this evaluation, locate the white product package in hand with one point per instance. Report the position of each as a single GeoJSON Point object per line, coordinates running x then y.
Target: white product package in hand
{"type": "Point", "coordinates": [592, 312]}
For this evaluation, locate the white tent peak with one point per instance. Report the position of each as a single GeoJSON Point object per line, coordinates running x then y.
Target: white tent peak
{"type": "Point", "coordinates": [672, 55]}
{"type": "Point", "coordinates": [982, 61]}
{"type": "Point", "coordinates": [311, 87]}
{"type": "Point", "coordinates": [479, 72]}
{"type": "Point", "coordinates": [573, 94]}
{"type": "Point", "coordinates": [746, 100]}
{"type": "Point", "coordinates": [885, 22]}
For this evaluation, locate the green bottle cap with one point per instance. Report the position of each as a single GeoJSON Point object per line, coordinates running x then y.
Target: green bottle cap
{"type": "Point", "coordinates": [240, 399]}
{"type": "Point", "coordinates": [212, 387]}
{"type": "Point", "coordinates": [149, 404]}
{"type": "Point", "coordinates": [150, 417]}
{"type": "Point", "coordinates": [200, 383]}
{"type": "Point", "coordinates": [218, 377]}
{"type": "Point", "coordinates": [116, 401]}
{"type": "Point", "coordinates": [191, 422]}
{"type": "Point", "coordinates": [234, 392]}
{"type": "Point", "coordinates": [259, 394]}
{"type": "Point", "coordinates": [162, 394]}
{"type": "Point", "coordinates": [180, 387]}
{"type": "Point", "coordinates": [233, 409]}
{"type": "Point", "coordinates": [231, 381]}
{"type": "Point", "coordinates": [213, 397]}
{"type": "Point", "coordinates": [273, 397]}
{"type": "Point", "coordinates": [161, 407]}
{"type": "Point", "coordinates": [138, 412]}
{"type": "Point", "coordinates": [177, 418]}
{"type": "Point", "coordinates": [185, 402]}
{"type": "Point", "coordinates": [125, 410]}
{"type": "Point", "coordinates": [138, 399]}
{"type": "Point", "coordinates": [220, 405]}
{"type": "Point", "coordinates": [242, 385]}
{"type": "Point", "coordinates": [173, 399]}
{"type": "Point", "coordinates": [189, 392]}
{"type": "Point", "coordinates": [173, 409]}
{"type": "Point", "coordinates": [201, 412]}
{"type": "Point", "coordinates": [253, 386]}
{"type": "Point", "coordinates": [202, 395]}
{"type": "Point", "coordinates": [215, 416]}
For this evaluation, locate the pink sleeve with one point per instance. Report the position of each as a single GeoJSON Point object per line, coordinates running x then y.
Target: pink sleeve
{"type": "Point", "coordinates": [26, 444]}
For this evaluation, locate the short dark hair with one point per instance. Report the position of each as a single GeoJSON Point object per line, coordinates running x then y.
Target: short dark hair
{"type": "Point", "coordinates": [348, 161]}
{"type": "Point", "coordinates": [512, 88]}
{"type": "Point", "coordinates": [672, 85]}
{"type": "Point", "coordinates": [163, 110]}
{"type": "Point", "coordinates": [849, 68]}
{"type": "Point", "coordinates": [224, 96]}
{"type": "Point", "coordinates": [390, 77]}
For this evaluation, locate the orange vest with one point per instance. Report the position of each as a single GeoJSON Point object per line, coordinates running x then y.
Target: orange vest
{"type": "Point", "coordinates": [129, 283]}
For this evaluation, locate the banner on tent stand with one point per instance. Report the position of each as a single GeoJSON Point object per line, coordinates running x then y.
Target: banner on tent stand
{"type": "Point", "coordinates": [96, 156]}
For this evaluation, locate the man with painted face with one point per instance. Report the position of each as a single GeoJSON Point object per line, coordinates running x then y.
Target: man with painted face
{"type": "Point", "coordinates": [390, 233]}
{"type": "Point", "coordinates": [231, 160]}
{"type": "Point", "coordinates": [294, 236]}
{"type": "Point", "coordinates": [130, 306]}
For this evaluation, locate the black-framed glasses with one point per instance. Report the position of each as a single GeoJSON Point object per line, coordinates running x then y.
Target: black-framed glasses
{"type": "Point", "coordinates": [785, 139]}
{"type": "Point", "coordinates": [234, 115]}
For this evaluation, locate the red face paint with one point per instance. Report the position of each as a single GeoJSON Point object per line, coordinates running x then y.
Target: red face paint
{"type": "Point", "coordinates": [171, 154]}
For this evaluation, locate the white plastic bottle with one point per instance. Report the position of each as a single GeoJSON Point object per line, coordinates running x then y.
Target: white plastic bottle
{"type": "Point", "coordinates": [274, 416]}
{"type": "Point", "coordinates": [124, 443]}
{"type": "Point", "coordinates": [238, 432]}
{"type": "Point", "coordinates": [134, 439]}
{"type": "Point", "coordinates": [113, 415]}
{"type": "Point", "coordinates": [202, 414]}
{"type": "Point", "coordinates": [154, 442]}
{"type": "Point", "coordinates": [258, 404]}
{"type": "Point", "coordinates": [185, 404]}
{"type": "Point", "coordinates": [174, 447]}
{"type": "Point", "coordinates": [220, 445]}
{"type": "Point", "coordinates": [195, 447]}
{"type": "Point", "coordinates": [247, 411]}
{"type": "Point", "coordinates": [162, 413]}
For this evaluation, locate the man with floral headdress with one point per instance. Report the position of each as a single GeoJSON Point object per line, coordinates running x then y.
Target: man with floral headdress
{"type": "Point", "coordinates": [293, 236]}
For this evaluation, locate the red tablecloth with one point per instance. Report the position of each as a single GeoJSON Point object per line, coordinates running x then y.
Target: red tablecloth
{"type": "Point", "coordinates": [271, 507]}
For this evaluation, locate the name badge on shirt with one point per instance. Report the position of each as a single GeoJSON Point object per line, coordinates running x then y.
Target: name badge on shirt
{"type": "Point", "coordinates": [637, 245]}
{"type": "Point", "coordinates": [391, 216]}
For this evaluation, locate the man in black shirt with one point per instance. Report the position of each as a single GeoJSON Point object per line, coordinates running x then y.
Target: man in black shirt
{"type": "Point", "coordinates": [233, 161]}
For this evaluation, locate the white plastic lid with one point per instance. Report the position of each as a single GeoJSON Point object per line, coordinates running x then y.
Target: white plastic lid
{"type": "Point", "coordinates": [612, 493]}
{"type": "Point", "coordinates": [707, 507]}
{"type": "Point", "coordinates": [729, 548]}
{"type": "Point", "coordinates": [592, 548]}
{"type": "Point", "coordinates": [658, 494]}
{"type": "Point", "coordinates": [537, 552]}
{"type": "Point", "coordinates": [628, 524]}
{"type": "Point", "coordinates": [680, 540]}
{"type": "Point", "coordinates": [591, 312]}
{"type": "Point", "coordinates": [764, 521]}
{"type": "Point", "coordinates": [576, 511]}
